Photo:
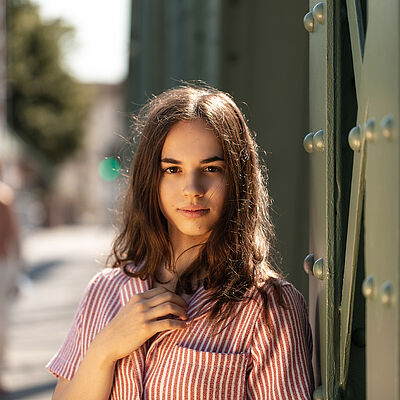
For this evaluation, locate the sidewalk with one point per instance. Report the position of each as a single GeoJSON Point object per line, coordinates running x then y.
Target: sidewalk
{"type": "Point", "coordinates": [60, 263]}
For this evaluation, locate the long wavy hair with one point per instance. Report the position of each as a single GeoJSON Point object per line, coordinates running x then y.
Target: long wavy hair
{"type": "Point", "coordinates": [236, 258]}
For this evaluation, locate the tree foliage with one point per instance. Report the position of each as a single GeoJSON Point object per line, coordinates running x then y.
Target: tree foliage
{"type": "Point", "coordinates": [46, 106]}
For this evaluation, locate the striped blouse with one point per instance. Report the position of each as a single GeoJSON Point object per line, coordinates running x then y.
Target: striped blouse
{"type": "Point", "coordinates": [247, 360]}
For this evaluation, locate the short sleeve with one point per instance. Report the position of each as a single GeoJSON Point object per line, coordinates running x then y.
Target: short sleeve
{"type": "Point", "coordinates": [66, 361]}
{"type": "Point", "coordinates": [282, 351]}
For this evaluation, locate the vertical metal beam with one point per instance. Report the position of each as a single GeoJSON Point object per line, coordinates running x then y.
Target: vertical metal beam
{"type": "Point", "coordinates": [352, 246]}
{"type": "Point", "coordinates": [357, 40]}
{"type": "Point", "coordinates": [382, 189]}
{"type": "Point", "coordinates": [332, 91]}
{"type": "Point", "coordinates": [324, 103]}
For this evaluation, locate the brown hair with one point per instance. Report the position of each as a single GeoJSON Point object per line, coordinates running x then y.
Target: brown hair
{"type": "Point", "coordinates": [236, 258]}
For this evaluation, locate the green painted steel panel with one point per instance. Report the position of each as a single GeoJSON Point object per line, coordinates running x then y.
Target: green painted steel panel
{"type": "Point", "coordinates": [264, 64]}
{"type": "Point", "coordinates": [233, 45]}
{"type": "Point", "coordinates": [380, 92]}
{"type": "Point", "coordinates": [323, 180]}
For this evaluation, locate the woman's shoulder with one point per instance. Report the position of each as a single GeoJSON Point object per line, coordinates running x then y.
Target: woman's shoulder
{"type": "Point", "coordinates": [286, 288]}
{"type": "Point", "coordinates": [107, 281]}
{"type": "Point", "coordinates": [282, 311]}
{"type": "Point", "coordinates": [281, 297]}
{"type": "Point", "coordinates": [109, 274]}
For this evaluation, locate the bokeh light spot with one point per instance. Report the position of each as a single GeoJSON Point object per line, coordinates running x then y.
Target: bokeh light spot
{"type": "Point", "coordinates": [109, 169]}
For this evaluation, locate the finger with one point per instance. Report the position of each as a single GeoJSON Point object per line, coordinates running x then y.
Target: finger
{"type": "Point", "coordinates": [166, 297]}
{"type": "Point", "coordinates": [167, 324]}
{"type": "Point", "coordinates": [164, 309]}
{"type": "Point", "coordinates": [148, 294]}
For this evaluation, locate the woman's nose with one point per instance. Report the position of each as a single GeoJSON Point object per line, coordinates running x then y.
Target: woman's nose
{"type": "Point", "coordinates": [193, 186]}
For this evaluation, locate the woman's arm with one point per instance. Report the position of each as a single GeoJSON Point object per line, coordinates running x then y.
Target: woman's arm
{"type": "Point", "coordinates": [93, 380]}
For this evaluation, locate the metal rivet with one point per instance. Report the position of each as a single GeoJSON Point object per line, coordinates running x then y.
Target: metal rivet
{"type": "Point", "coordinates": [318, 269]}
{"type": "Point", "coordinates": [355, 138]}
{"type": "Point", "coordinates": [308, 142]}
{"type": "Point", "coordinates": [318, 12]}
{"type": "Point", "coordinates": [386, 293]}
{"type": "Point", "coordinates": [368, 287]}
{"type": "Point", "coordinates": [370, 130]}
{"type": "Point", "coordinates": [309, 22]}
{"type": "Point", "coordinates": [318, 141]}
{"type": "Point", "coordinates": [318, 393]}
{"type": "Point", "coordinates": [387, 125]}
{"type": "Point", "coordinates": [308, 264]}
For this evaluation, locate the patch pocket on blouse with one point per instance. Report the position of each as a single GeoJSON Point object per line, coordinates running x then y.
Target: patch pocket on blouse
{"type": "Point", "coordinates": [206, 375]}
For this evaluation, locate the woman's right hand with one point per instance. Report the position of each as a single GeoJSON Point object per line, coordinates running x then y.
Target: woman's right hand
{"type": "Point", "coordinates": [139, 320]}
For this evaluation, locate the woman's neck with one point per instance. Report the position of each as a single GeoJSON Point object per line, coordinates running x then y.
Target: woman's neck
{"type": "Point", "coordinates": [185, 249]}
{"type": "Point", "coordinates": [183, 256]}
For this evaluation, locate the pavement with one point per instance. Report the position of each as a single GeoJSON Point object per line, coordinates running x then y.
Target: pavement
{"type": "Point", "coordinates": [59, 264]}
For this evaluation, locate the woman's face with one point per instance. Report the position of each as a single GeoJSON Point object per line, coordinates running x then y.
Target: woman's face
{"type": "Point", "coordinates": [193, 181]}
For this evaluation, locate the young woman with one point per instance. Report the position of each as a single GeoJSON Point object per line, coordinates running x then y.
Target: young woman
{"type": "Point", "coordinates": [190, 307]}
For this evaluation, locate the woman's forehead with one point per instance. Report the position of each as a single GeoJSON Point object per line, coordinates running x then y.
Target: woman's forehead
{"type": "Point", "coordinates": [191, 138]}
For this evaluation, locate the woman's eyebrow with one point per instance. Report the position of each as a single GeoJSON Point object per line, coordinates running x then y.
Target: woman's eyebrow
{"type": "Point", "coordinates": [211, 159]}
{"type": "Point", "coordinates": [205, 161]}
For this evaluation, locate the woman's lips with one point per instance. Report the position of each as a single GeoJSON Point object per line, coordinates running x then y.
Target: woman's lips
{"type": "Point", "coordinates": [194, 213]}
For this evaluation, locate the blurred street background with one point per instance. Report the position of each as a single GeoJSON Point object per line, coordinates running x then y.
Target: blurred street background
{"type": "Point", "coordinates": [60, 262]}
{"type": "Point", "coordinates": [72, 72]}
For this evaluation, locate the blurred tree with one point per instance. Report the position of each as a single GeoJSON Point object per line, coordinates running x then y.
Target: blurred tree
{"type": "Point", "coordinates": [46, 106]}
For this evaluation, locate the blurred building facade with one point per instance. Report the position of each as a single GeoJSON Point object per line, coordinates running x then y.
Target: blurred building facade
{"type": "Point", "coordinates": [83, 196]}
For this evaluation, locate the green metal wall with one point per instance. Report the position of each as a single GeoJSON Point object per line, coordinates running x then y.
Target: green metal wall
{"type": "Point", "coordinates": [264, 63]}
{"type": "Point", "coordinates": [334, 84]}
{"type": "Point", "coordinates": [172, 41]}
{"type": "Point", "coordinates": [257, 51]}
{"type": "Point", "coordinates": [354, 197]}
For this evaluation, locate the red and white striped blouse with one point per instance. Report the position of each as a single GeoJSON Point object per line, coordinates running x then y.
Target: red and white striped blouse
{"type": "Point", "coordinates": [244, 361]}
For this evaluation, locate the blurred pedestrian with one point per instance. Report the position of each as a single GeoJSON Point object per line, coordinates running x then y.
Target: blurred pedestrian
{"type": "Point", "coordinates": [10, 262]}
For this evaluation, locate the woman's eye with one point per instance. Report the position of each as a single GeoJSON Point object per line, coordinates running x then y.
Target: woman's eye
{"type": "Point", "coordinates": [171, 170]}
{"type": "Point", "coordinates": [212, 168]}
{"type": "Point", "coordinates": [209, 168]}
